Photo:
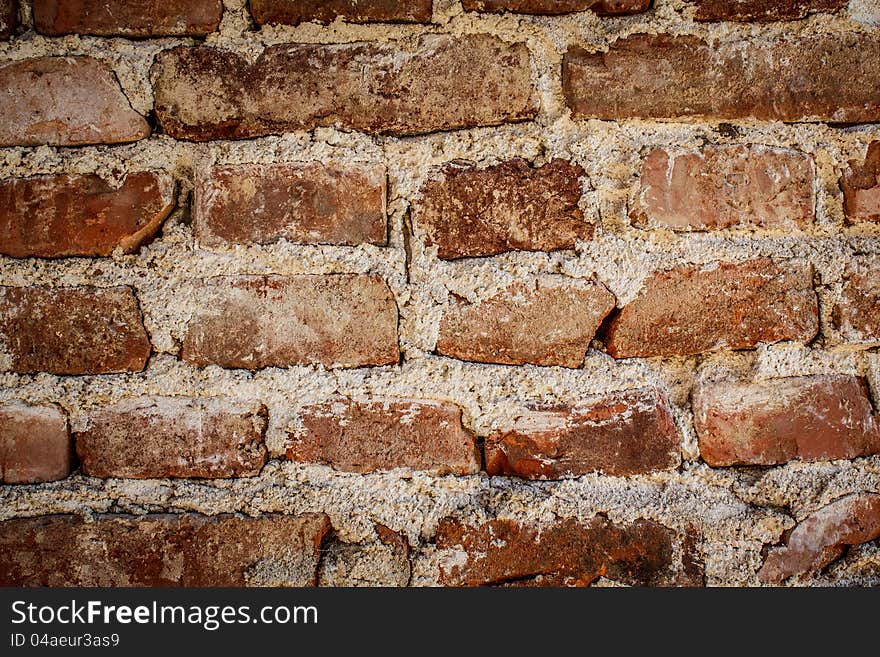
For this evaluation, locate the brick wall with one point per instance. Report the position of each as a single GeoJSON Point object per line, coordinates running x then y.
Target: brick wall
{"type": "Point", "coordinates": [486, 292]}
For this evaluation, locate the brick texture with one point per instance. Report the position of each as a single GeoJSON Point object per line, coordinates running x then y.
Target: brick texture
{"type": "Point", "coordinates": [856, 315]}
{"type": "Point", "coordinates": [470, 212]}
{"type": "Point", "coordinates": [812, 418]}
{"type": "Point", "coordinates": [308, 204]}
{"type": "Point", "coordinates": [54, 216]}
{"type": "Point", "coordinates": [810, 78]}
{"type": "Point", "coordinates": [79, 330]}
{"type": "Point", "coordinates": [162, 550]}
{"type": "Point", "coordinates": [8, 17]}
{"type": "Point", "coordinates": [693, 309]}
{"type": "Point", "coordinates": [34, 443]}
{"type": "Point", "coordinates": [373, 435]}
{"type": "Point", "coordinates": [553, 8]}
{"type": "Point", "coordinates": [252, 322]}
{"type": "Point", "coordinates": [861, 187]}
{"type": "Point", "coordinates": [65, 101]}
{"type": "Point", "coordinates": [620, 434]}
{"type": "Point", "coordinates": [763, 10]}
{"type": "Point", "coordinates": [294, 12]}
{"type": "Point", "coordinates": [155, 437]}
{"type": "Point", "coordinates": [374, 88]}
{"type": "Point", "coordinates": [145, 18]}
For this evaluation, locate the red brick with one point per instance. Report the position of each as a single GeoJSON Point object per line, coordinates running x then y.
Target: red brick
{"type": "Point", "coordinates": [154, 437]}
{"type": "Point", "coordinates": [470, 212]}
{"type": "Point", "coordinates": [724, 186]}
{"type": "Point", "coordinates": [65, 101]}
{"type": "Point", "coordinates": [564, 553]}
{"type": "Point", "coordinates": [549, 321]}
{"type": "Point", "coordinates": [822, 537]}
{"type": "Point", "coordinates": [307, 204]}
{"type": "Point", "coordinates": [554, 8]}
{"type": "Point", "coordinates": [812, 418]}
{"type": "Point", "coordinates": [378, 88]}
{"type": "Point", "coordinates": [8, 17]}
{"type": "Point", "coordinates": [70, 215]}
{"type": "Point", "coordinates": [144, 18]}
{"type": "Point", "coordinates": [294, 12]}
{"type": "Point", "coordinates": [626, 433]}
{"type": "Point", "coordinates": [861, 187]}
{"type": "Point", "coordinates": [692, 309]}
{"type": "Point", "coordinates": [383, 434]}
{"type": "Point", "coordinates": [809, 78]}
{"type": "Point", "coordinates": [34, 443]}
{"type": "Point", "coordinates": [856, 315]}
{"type": "Point", "coordinates": [162, 550]}
{"type": "Point", "coordinates": [74, 330]}
{"type": "Point", "coordinates": [252, 322]}
{"type": "Point", "coordinates": [763, 10]}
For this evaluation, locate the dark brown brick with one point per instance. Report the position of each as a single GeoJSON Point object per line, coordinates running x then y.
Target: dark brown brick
{"type": "Point", "coordinates": [294, 12]}
{"type": "Point", "coordinates": [693, 309]}
{"type": "Point", "coordinates": [370, 87]}
{"type": "Point", "coordinates": [70, 215]}
{"type": "Point", "coordinates": [470, 212]}
{"type": "Point", "coordinates": [65, 101]}
{"type": "Point", "coordinates": [810, 78]}
{"type": "Point", "coordinates": [34, 443]}
{"type": "Point", "coordinates": [153, 437]}
{"type": "Point", "coordinates": [384, 434]}
{"type": "Point", "coordinates": [144, 18]}
{"type": "Point", "coordinates": [75, 330]}
{"type": "Point", "coordinates": [856, 315]}
{"type": "Point", "coordinates": [626, 433]}
{"type": "Point", "coordinates": [763, 10]}
{"type": "Point", "coordinates": [8, 18]}
{"type": "Point", "coordinates": [307, 204]}
{"type": "Point", "coordinates": [252, 322]}
{"type": "Point", "coordinates": [556, 7]}
{"type": "Point", "coordinates": [812, 418]}
{"type": "Point", "coordinates": [162, 550]}
{"type": "Point", "coordinates": [861, 187]}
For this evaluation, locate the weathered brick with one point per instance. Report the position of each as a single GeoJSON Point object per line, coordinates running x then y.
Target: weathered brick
{"type": "Point", "coordinates": [383, 434]}
{"type": "Point", "coordinates": [70, 215]}
{"type": "Point", "coordinates": [470, 212]}
{"type": "Point", "coordinates": [153, 437]}
{"type": "Point", "coordinates": [810, 78]}
{"type": "Point", "coordinates": [626, 433]}
{"type": "Point", "coordinates": [549, 321]}
{"type": "Point", "coordinates": [557, 7]}
{"type": "Point", "coordinates": [34, 443]}
{"type": "Point", "coordinates": [822, 537]}
{"type": "Point", "coordinates": [294, 12]}
{"type": "Point", "coordinates": [8, 17]}
{"type": "Point", "coordinates": [763, 10]}
{"type": "Point", "coordinates": [564, 553]}
{"type": "Point", "coordinates": [65, 101]}
{"type": "Point", "coordinates": [75, 330]}
{"type": "Point", "coordinates": [861, 187]}
{"type": "Point", "coordinates": [145, 18]}
{"type": "Point", "coordinates": [252, 322]}
{"type": "Point", "coordinates": [162, 550]}
{"type": "Point", "coordinates": [724, 186]}
{"type": "Point", "coordinates": [308, 203]}
{"type": "Point", "coordinates": [812, 418]}
{"type": "Point", "coordinates": [370, 87]}
{"type": "Point", "coordinates": [856, 314]}
{"type": "Point", "coordinates": [693, 309]}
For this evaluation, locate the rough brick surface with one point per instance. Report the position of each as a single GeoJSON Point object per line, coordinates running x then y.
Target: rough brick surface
{"type": "Point", "coordinates": [373, 88]}
{"type": "Point", "coordinates": [162, 550]}
{"type": "Point", "coordinates": [549, 321]}
{"type": "Point", "coordinates": [823, 537]}
{"type": "Point", "coordinates": [54, 216]}
{"type": "Point", "coordinates": [856, 315]}
{"type": "Point", "coordinates": [252, 322]}
{"type": "Point", "coordinates": [309, 204]}
{"type": "Point", "coordinates": [78, 330]}
{"type": "Point", "coordinates": [470, 212]}
{"type": "Point", "coordinates": [621, 434]}
{"type": "Point", "coordinates": [763, 10]}
{"type": "Point", "coordinates": [145, 18]}
{"type": "Point", "coordinates": [692, 309]}
{"type": "Point", "coordinates": [565, 553]}
{"type": "Point", "coordinates": [812, 418]}
{"type": "Point", "coordinates": [152, 437]}
{"type": "Point", "coordinates": [726, 186]}
{"type": "Point", "coordinates": [294, 12]}
{"type": "Point", "coordinates": [552, 8]}
{"type": "Point", "coordinates": [8, 17]}
{"type": "Point", "coordinates": [861, 187]}
{"type": "Point", "coordinates": [34, 443]}
{"type": "Point", "coordinates": [65, 101]}
{"type": "Point", "coordinates": [810, 78]}
{"type": "Point", "coordinates": [385, 434]}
